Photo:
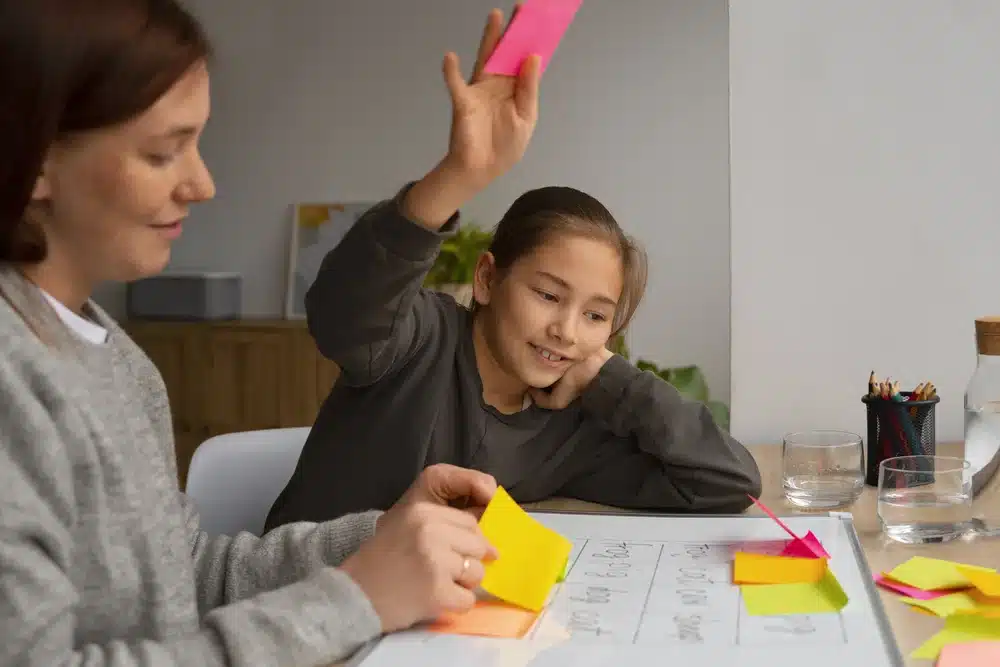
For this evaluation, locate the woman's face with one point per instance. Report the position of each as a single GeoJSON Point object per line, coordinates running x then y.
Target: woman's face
{"type": "Point", "coordinates": [111, 201]}
{"type": "Point", "coordinates": [552, 308]}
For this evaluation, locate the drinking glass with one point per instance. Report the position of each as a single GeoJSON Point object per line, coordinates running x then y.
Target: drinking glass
{"type": "Point", "coordinates": [925, 498]}
{"type": "Point", "coordinates": [822, 468]}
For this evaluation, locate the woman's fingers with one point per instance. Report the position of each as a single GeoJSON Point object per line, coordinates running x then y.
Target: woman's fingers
{"type": "Point", "coordinates": [469, 572]}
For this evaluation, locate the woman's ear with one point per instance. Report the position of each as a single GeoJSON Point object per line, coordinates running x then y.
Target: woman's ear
{"type": "Point", "coordinates": [484, 278]}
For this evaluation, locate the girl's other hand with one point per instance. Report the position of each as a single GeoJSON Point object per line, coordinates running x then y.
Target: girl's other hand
{"type": "Point", "coordinates": [569, 387]}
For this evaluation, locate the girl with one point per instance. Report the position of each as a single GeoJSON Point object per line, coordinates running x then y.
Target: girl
{"type": "Point", "coordinates": [522, 387]}
{"type": "Point", "coordinates": [101, 558]}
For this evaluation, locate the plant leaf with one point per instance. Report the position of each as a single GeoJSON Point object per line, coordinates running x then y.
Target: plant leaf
{"type": "Point", "coordinates": [720, 412]}
{"type": "Point", "coordinates": [690, 382]}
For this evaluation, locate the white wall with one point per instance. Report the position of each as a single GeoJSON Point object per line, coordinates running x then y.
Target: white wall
{"type": "Point", "coordinates": [344, 100]}
{"type": "Point", "coordinates": [865, 201]}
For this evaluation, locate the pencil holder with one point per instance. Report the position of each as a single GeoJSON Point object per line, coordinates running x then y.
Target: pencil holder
{"type": "Point", "coordinates": [898, 428]}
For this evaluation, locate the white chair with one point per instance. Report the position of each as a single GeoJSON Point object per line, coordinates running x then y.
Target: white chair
{"type": "Point", "coordinates": [234, 478]}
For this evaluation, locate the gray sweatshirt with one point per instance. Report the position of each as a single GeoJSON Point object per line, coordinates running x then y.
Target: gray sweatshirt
{"type": "Point", "coordinates": [101, 560]}
{"type": "Point", "coordinates": [410, 395]}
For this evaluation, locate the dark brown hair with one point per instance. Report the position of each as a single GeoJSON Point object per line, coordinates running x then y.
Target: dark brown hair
{"type": "Point", "coordinates": [538, 215]}
{"type": "Point", "coordinates": [69, 66]}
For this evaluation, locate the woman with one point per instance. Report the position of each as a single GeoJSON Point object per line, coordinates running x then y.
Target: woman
{"type": "Point", "coordinates": [101, 558]}
{"type": "Point", "coordinates": [522, 387]}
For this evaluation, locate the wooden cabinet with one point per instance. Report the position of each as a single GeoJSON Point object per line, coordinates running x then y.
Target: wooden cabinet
{"type": "Point", "coordinates": [235, 376]}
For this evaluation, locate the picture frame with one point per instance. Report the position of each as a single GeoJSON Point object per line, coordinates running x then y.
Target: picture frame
{"type": "Point", "coordinates": [317, 228]}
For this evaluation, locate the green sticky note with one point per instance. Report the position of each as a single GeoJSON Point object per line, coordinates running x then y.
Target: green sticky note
{"type": "Point", "coordinates": [823, 596]}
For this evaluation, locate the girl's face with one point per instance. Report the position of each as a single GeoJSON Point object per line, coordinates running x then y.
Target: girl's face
{"type": "Point", "coordinates": [111, 201]}
{"type": "Point", "coordinates": [550, 309]}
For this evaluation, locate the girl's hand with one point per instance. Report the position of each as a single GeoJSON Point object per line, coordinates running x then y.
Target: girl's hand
{"type": "Point", "coordinates": [492, 120]}
{"type": "Point", "coordinates": [493, 116]}
{"type": "Point", "coordinates": [572, 383]}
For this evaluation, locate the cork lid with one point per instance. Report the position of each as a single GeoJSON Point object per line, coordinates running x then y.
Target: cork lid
{"type": "Point", "coordinates": [988, 335]}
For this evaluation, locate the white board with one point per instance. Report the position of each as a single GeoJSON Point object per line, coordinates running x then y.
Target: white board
{"type": "Point", "coordinates": [643, 585]}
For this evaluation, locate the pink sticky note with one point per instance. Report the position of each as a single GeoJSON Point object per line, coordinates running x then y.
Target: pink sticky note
{"type": "Point", "coordinates": [807, 546]}
{"type": "Point", "coordinates": [908, 591]}
{"type": "Point", "coordinates": [536, 29]}
{"type": "Point", "coordinates": [971, 654]}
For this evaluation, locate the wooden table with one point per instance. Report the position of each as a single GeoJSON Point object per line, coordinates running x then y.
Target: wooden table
{"type": "Point", "coordinates": [911, 628]}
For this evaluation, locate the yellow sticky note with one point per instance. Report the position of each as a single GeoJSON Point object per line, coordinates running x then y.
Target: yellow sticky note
{"type": "Point", "coordinates": [987, 582]}
{"type": "Point", "coordinates": [962, 602]}
{"type": "Point", "coordinates": [959, 629]}
{"type": "Point", "coordinates": [531, 556]}
{"type": "Point", "coordinates": [751, 568]}
{"type": "Point", "coordinates": [944, 606]}
{"type": "Point", "coordinates": [932, 574]}
{"type": "Point", "coordinates": [824, 596]}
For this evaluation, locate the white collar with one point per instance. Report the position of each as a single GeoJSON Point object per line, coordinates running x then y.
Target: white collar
{"type": "Point", "coordinates": [86, 329]}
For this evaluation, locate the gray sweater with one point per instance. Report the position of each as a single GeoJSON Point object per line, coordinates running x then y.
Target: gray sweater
{"type": "Point", "coordinates": [101, 559]}
{"type": "Point", "coordinates": [410, 395]}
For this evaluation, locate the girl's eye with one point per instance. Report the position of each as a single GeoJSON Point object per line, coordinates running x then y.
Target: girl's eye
{"type": "Point", "coordinates": [545, 295]}
{"type": "Point", "coordinates": [597, 317]}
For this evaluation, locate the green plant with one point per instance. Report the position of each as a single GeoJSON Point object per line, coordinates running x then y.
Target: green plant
{"type": "Point", "coordinates": [688, 380]}
{"type": "Point", "coordinates": [456, 262]}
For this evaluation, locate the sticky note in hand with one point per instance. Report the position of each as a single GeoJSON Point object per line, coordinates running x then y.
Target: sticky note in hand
{"type": "Point", "coordinates": [536, 29]}
{"type": "Point", "coordinates": [531, 555]}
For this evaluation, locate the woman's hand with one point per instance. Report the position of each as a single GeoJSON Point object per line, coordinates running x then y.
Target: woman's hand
{"type": "Point", "coordinates": [493, 118]}
{"type": "Point", "coordinates": [572, 383]}
{"type": "Point", "coordinates": [426, 556]}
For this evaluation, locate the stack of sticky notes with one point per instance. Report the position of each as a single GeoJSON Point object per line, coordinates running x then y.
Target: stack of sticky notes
{"type": "Point", "coordinates": [532, 559]}
{"type": "Point", "coordinates": [966, 596]}
{"type": "Point", "coordinates": [796, 581]}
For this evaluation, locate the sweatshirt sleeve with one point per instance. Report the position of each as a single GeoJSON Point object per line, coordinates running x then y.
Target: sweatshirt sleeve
{"type": "Point", "coordinates": [367, 309]}
{"type": "Point", "coordinates": [318, 620]}
{"type": "Point", "coordinates": [656, 449]}
{"type": "Point", "coordinates": [229, 569]}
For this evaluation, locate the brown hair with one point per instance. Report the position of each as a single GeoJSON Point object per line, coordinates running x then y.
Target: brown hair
{"type": "Point", "coordinates": [538, 215]}
{"type": "Point", "coordinates": [69, 66]}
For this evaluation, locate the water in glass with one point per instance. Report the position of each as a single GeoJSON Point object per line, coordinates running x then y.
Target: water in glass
{"type": "Point", "coordinates": [924, 498]}
{"type": "Point", "coordinates": [822, 469]}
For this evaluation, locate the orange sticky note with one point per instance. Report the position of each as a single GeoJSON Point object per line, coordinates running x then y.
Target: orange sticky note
{"type": "Point", "coordinates": [971, 654]}
{"type": "Point", "coordinates": [487, 619]}
{"type": "Point", "coordinates": [751, 568]}
{"type": "Point", "coordinates": [531, 555]}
